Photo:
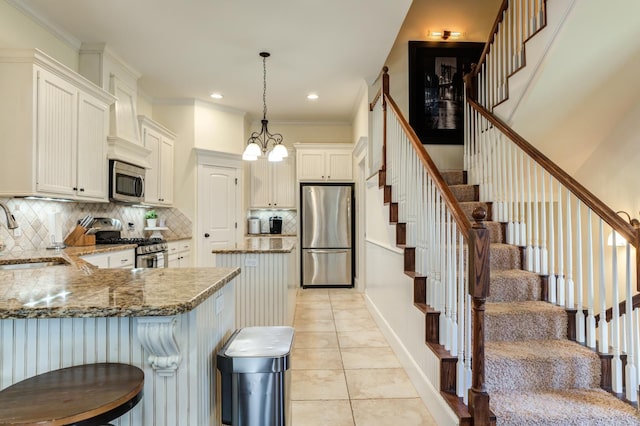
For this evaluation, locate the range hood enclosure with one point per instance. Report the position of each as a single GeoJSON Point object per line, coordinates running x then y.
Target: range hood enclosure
{"type": "Point", "coordinates": [104, 68]}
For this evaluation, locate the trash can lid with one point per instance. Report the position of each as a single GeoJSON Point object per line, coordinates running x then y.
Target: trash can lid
{"type": "Point", "coordinates": [261, 342]}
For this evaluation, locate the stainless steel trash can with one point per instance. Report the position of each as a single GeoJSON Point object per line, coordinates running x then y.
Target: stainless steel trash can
{"type": "Point", "coordinates": [254, 366]}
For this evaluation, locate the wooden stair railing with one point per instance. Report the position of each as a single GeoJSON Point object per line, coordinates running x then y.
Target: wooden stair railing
{"type": "Point", "coordinates": [429, 218]}
{"type": "Point", "coordinates": [553, 217]}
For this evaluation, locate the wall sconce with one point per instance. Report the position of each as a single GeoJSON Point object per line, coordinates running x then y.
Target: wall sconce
{"type": "Point", "coordinates": [445, 34]}
{"type": "Point", "coordinates": [620, 240]}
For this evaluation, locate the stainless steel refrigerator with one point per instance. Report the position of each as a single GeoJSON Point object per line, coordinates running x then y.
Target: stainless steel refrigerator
{"type": "Point", "coordinates": [327, 234]}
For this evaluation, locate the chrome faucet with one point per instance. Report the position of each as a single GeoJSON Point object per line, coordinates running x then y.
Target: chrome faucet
{"type": "Point", "coordinates": [11, 221]}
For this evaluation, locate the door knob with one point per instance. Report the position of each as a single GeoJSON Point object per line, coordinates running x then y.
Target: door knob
{"type": "Point", "coordinates": [206, 235]}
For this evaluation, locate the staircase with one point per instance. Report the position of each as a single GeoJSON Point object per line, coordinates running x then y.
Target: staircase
{"type": "Point", "coordinates": [534, 374]}
{"type": "Point", "coordinates": [526, 313]}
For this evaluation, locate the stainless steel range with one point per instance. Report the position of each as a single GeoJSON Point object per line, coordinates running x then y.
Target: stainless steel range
{"type": "Point", "coordinates": [150, 253]}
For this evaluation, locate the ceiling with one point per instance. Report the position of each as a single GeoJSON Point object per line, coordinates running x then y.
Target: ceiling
{"type": "Point", "coordinates": [189, 49]}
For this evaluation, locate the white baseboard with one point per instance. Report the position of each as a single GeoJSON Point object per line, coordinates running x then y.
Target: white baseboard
{"type": "Point", "coordinates": [437, 406]}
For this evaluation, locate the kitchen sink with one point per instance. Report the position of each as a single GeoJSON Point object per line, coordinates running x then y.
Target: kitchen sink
{"type": "Point", "coordinates": [33, 264]}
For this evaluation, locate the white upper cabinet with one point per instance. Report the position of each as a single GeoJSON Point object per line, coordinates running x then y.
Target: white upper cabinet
{"type": "Point", "coordinates": [272, 184]}
{"type": "Point", "coordinates": [324, 162]}
{"type": "Point", "coordinates": [159, 177]}
{"type": "Point", "coordinates": [54, 125]}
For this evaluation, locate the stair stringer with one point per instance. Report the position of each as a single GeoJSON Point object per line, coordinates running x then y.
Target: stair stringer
{"type": "Point", "coordinates": [536, 50]}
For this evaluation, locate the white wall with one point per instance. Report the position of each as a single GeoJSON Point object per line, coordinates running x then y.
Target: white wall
{"type": "Point", "coordinates": [582, 108]}
{"type": "Point", "coordinates": [218, 128]}
{"type": "Point", "coordinates": [20, 31]}
{"type": "Point", "coordinates": [360, 123]}
{"type": "Point", "coordinates": [471, 17]}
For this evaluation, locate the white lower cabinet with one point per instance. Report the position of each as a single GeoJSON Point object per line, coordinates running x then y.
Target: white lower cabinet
{"type": "Point", "coordinates": [179, 254]}
{"type": "Point", "coordinates": [122, 259]}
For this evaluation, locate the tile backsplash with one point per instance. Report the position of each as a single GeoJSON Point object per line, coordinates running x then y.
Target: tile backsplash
{"type": "Point", "coordinates": [32, 217]}
{"type": "Point", "coordinates": [289, 219]}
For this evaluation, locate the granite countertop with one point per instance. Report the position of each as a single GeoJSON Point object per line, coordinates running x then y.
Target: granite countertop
{"type": "Point", "coordinates": [260, 245]}
{"type": "Point", "coordinates": [75, 288]}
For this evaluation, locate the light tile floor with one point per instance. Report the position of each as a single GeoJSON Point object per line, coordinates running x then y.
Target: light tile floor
{"type": "Point", "coordinates": [343, 371]}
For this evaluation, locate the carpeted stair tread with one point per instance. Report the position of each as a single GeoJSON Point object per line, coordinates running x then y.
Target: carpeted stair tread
{"type": "Point", "coordinates": [584, 407]}
{"type": "Point", "coordinates": [514, 285]}
{"type": "Point", "coordinates": [495, 229]}
{"type": "Point", "coordinates": [454, 177]}
{"type": "Point", "coordinates": [465, 192]}
{"type": "Point", "coordinates": [505, 256]}
{"type": "Point", "coordinates": [540, 365]}
{"type": "Point", "coordinates": [524, 321]}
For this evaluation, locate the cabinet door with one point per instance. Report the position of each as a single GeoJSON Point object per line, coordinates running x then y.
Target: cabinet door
{"type": "Point", "coordinates": [124, 259]}
{"type": "Point", "coordinates": [260, 183]}
{"type": "Point", "coordinates": [284, 187]}
{"type": "Point", "coordinates": [339, 165]}
{"type": "Point", "coordinates": [311, 165]}
{"type": "Point", "coordinates": [56, 135]}
{"type": "Point", "coordinates": [93, 126]}
{"type": "Point", "coordinates": [152, 141]}
{"type": "Point", "coordinates": [101, 260]}
{"type": "Point", "coordinates": [166, 172]}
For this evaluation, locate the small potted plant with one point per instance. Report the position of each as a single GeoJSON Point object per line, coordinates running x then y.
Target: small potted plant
{"type": "Point", "coordinates": [152, 218]}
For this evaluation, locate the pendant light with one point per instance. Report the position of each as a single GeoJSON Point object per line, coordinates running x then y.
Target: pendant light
{"type": "Point", "coordinates": [258, 143]}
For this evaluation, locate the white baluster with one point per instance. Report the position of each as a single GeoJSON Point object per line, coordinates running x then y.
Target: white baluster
{"type": "Point", "coordinates": [523, 220]}
{"type": "Point", "coordinates": [560, 280]}
{"type": "Point", "coordinates": [603, 342]}
{"type": "Point", "coordinates": [460, 381]}
{"type": "Point", "coordinates": [529, 249]}
{"type": "Point", "coordinates": [536, 227]}
{"type": "Point", "coordinates": [544, 254]}
{"type": "Point", "coordinates": [569, 255]}
{"type": "Point", "coordinates": [447, 282]}
{"type": "Point", "coordinates": [591, 319]}
{"type": "Point", "coordinates": [454, 290]}
{"type": "Point", "coordinates": [580, 331]}
{"type": "Point", "coordinates": [553, 286]}
{"type": "Point", "coordinates": [616, 362]}
{"type": "Point", "coordinates": [511, 226]}
{"type": "Point", "coordinates": [631, 375]}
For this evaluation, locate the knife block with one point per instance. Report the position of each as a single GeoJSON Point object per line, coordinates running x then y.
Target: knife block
{"type": "Point", "coordinates": [77, 237]}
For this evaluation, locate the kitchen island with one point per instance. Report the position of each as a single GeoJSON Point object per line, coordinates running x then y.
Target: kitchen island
{"type": "Point", "coordinates": [265, 292]}
{"type": "Point", "coordinates": [168, 322]}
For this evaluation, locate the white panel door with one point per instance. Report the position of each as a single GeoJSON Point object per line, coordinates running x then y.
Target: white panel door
{"type": "Point", "coordinates": [217, 210]}
{"type": "Point", "coordinates": [261, 183]}
{"type": "Point", "coordinates": [311, 165]}
{"type": "Point", "coordinates": [166, 172]}
{"type": "Point", "coordinates": [152, 186]}
{"type": "Point", "coordinates": [339, 165]}
{"type": "Point", "coordinates": [93, 126]}
{"type": "Point", "coordinates": [284, 185]}
{"type": "Point", "coordinates": [57, 126]}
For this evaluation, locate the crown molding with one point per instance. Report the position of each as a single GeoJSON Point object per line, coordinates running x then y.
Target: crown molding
{"type": "Point", "coordinates": [57, 31]}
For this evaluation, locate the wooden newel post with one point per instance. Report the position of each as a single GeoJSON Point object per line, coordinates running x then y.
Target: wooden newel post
{"type": "Point", "coordinates": [479, 266]}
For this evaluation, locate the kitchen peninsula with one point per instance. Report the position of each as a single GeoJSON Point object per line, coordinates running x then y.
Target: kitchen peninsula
{"type": "Point", "coordinates": [63, 311]}
{"type": "Point", "coordinates": [265, 292]}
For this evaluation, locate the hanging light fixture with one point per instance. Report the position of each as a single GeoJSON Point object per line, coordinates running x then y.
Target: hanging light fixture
{"type": "Point", "coordinates": [258, 143]}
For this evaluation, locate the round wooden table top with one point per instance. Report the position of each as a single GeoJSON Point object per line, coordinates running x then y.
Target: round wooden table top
{"type": "Point", "coordinates": [70, 395]}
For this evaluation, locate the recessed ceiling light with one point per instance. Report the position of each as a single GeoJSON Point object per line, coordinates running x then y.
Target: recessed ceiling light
{"type": "Point", "coordinates": [312, 96]}
{"type": "Point", "coordinates": [216, 96]}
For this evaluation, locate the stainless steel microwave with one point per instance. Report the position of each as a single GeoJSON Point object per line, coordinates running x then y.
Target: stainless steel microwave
{"type": "Point", "coordinates": [126, 182]}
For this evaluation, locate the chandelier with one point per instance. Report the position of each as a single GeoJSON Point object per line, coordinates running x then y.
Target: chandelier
{"type": "Point", "coordinates": [258, 143]}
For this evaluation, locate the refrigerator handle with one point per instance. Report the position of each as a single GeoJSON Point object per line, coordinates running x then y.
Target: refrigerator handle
{"type": "Point", "coordinates": [326, 251]}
